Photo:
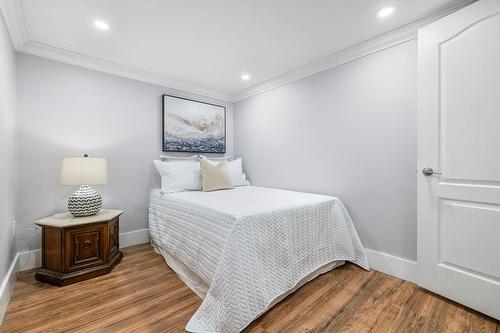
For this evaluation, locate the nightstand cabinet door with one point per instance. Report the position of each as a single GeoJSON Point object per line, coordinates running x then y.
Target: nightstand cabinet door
{"type": "Point", "coordinates": [85, 247]}
{"type": "Point", "coordinates": [114, 238]}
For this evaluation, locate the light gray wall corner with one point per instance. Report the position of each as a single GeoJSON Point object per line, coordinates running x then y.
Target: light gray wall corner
{"type": "Point", "coordinates": [349, 131]}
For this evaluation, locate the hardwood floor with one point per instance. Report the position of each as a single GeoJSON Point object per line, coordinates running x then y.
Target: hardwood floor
{"type": "Point", "coordinates": [143, 295]}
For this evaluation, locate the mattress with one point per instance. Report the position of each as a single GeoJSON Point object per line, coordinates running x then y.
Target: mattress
{"type": "Point", "coordinates": [244, 249]}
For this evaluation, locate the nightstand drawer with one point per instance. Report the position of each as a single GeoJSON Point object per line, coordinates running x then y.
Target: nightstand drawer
{"type": "Point", "coordinates": [86, 247]}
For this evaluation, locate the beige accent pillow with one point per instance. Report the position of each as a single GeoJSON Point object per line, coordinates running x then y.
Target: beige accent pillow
{"type": "Point", "coordinates": [215, 177]}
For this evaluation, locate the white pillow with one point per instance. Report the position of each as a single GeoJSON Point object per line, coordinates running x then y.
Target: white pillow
{"type": "Point", "coordinates": [234, 168]}
{"type": "Point", "coordinates": [246, 182]}
{"type": "Point", "coordinates": [177, 175]}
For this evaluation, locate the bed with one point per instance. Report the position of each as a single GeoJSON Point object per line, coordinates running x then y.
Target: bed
{"type": "Point", "coordinates": [245, 249]}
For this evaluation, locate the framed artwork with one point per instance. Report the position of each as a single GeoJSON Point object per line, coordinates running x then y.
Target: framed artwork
{"type": "Point", "coordinates": [193, 126]}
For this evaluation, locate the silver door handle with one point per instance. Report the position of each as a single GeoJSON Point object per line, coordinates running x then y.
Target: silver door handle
{"type": "Point", "coordinates": [430, 172]}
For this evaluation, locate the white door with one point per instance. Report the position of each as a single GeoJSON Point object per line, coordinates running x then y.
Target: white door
{"type": "Point", "coordinates": [459, 135]}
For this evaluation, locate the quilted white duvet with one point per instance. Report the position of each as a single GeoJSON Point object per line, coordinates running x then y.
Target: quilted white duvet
{"type": "Point", "coordinates": [250, 245]}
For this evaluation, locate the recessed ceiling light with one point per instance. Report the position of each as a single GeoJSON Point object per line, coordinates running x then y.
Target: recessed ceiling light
{"type": "Point", "coordinates": [101, 25]}
{"type": "Point", "coordinates": [245, 77]}
{"type": "Point", "coordinates": [386, 11]}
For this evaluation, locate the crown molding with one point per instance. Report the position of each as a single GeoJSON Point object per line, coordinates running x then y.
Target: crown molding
{"type": "Point", "coordinates": [376, 44]}
{"type": "Point", "coordinates": [13, 14]}
{"type": "Point", "coordinates": [12, 11]}
{"type": "Point", "coordinates": [82, 60]}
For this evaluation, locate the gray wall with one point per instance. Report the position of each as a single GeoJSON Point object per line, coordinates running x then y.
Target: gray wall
{"type": "Point", "coordinates": [67, 111]}
{"type": "Point", "coordinates": [350, 132]}
{"type": "Point", "coordinates": [8, 155]}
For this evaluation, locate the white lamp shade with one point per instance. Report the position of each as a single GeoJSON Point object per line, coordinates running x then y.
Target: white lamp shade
{"type": "Point", "coordinates": [84, 171]}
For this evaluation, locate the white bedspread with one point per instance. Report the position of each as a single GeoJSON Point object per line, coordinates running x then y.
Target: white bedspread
{"type": "Point", "coordinates": [250, 245]}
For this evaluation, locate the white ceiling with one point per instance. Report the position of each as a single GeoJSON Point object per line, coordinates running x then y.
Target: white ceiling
{"type": "Point", "coordinates": [210, 44]}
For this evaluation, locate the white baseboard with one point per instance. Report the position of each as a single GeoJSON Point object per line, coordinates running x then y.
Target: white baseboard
{"type": "Point", "coordinates": [7, 286]}
{"type": "Point", "coordinates": [386, 263]}
{"type": "Point", "coordinates": [396, 266]}
{"type": "Point", "coordinates": [134, 238]}
{"type": "Point", "coordinates": [30, 259]}
{"type": "Point", "coordinates": [33, 259]}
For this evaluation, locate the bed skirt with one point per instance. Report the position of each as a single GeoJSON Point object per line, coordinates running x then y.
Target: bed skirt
{"type": "Point", "coordinates": [195, 283]}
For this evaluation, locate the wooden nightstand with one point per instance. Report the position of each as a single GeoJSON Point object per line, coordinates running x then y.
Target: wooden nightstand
{"type": "Point", "coordinates": [79, 248]}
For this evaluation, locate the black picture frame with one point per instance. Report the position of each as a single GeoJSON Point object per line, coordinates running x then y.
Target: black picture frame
{"type": "Point", "coordinates": [164, 143]}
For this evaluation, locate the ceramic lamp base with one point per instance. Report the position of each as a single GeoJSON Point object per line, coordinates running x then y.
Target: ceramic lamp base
{"type": "Point", "coordinates": [84, 202]}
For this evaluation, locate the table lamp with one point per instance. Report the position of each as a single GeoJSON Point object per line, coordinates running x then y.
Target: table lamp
{"type": "Point", "coordinates": [84, 171]}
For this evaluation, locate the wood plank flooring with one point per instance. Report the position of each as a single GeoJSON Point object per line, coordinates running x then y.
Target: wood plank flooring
{"type": "Point", "coordinates": [143, 295]}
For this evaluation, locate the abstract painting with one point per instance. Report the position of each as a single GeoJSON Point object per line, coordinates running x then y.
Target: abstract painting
{"type": "Point", "coordinates": [193, 126]}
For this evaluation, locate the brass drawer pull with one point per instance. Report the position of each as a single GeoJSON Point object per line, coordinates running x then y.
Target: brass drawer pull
{"type": "Point", "coordinates": [87, 244]}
